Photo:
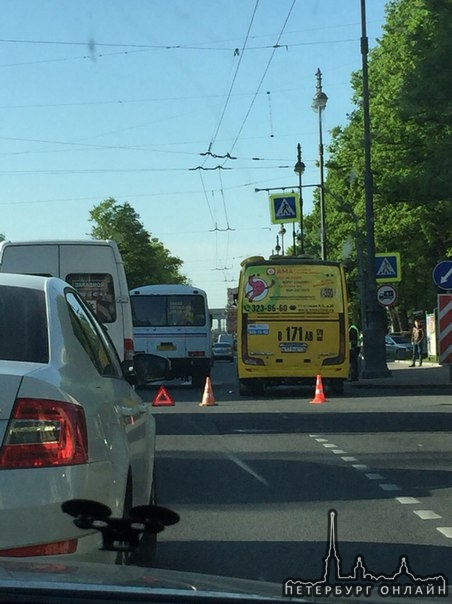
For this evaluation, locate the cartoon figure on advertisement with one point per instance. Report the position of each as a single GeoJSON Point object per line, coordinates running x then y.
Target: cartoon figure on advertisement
{"type": "Point", "coordinates": [256, 289]}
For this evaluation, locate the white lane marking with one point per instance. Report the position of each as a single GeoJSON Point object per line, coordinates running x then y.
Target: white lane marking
{"type": "Point", "coordinates": [407, 500]}
{"type": "Point", "coordinates": [422, 514]}
{"type": "Point", "coordinates": [246, 467]}
{"type": "Point", "coordinates": [427, 514]}
{"type": "Point", "coordinates": [253, 430]}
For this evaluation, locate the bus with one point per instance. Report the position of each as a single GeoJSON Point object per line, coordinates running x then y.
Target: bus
{"type": "Point", "coordinates": [292, 323]}
{"type": "Point", "coordinates": [174, 321]}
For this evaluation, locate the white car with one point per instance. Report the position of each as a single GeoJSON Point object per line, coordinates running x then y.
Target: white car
{"type": "Point", "coordinates": [71, 426]}
{"type": "Point", "coordinates": [222, 350]}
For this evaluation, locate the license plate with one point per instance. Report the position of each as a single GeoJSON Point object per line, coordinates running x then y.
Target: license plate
{"type": "Point", "coordinates": [162, 347]}
{"type": "Point", "coordinates": [293, 347]}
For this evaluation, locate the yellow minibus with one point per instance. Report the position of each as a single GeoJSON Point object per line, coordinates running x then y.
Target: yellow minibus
{"type": "Point", "coordinates": [292, 323]}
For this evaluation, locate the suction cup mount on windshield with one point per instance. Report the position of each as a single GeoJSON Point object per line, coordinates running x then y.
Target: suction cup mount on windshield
{"type": "Point", "coordinates": [119, 534]}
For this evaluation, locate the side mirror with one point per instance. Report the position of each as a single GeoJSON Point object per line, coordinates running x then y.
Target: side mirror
{"type": "Point", "coordinates": [148, 368]}
{"type": "Point", "coordinates": [129, 373]}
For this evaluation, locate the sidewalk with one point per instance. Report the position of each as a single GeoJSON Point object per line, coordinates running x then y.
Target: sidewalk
{"type": "Point", "coordinates": [430, 375]}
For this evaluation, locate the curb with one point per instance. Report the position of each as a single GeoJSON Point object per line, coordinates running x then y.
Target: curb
{"type": "Point", "coordinates": [400, 386]}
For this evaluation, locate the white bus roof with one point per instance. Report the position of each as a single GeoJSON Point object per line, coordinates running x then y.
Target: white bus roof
{"type": "Point", "coordinates": [162, 289]}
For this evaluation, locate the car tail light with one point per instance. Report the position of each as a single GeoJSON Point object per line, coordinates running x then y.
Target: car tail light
{"type": "Point", "coordinates": [44, 433]}
{"type": "Point", "coordinates": [44, 549]}
{"type": "Point", "coordinates": [128, 349]}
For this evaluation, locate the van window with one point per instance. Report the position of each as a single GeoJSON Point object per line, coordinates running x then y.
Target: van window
{"type": "Point", "coordinates": [98, 291]}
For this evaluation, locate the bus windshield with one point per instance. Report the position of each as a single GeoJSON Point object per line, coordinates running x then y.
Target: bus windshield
{"type": "Point", "coordinates": [168, 310]}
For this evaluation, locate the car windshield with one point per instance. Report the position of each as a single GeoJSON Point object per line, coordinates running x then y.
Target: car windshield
{"type": "Point", "coordinates": [275, 369]}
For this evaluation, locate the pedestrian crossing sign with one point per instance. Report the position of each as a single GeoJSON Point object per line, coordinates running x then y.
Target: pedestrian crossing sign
{"type": "Point", "coordinates": [285, 208]}
{"type": "Point", "coordinates": [387, 267]}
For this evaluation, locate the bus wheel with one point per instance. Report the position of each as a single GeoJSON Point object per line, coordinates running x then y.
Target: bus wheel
{"type": "Point", "coordinates": [243, 388]}
{"type": "Point", "coordinates": [198, 379]}
{"type": "Point", "coordinates": [337, 386]}
{"type": "Point", "coordinates": [251, 386]}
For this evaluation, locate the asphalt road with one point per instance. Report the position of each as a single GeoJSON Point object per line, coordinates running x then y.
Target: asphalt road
{"type": "Point", "coordinates": [254, 480]}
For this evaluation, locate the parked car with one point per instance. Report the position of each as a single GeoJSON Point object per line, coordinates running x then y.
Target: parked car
{"type": "Point", "coordinates": [398, 346]}
{"type": "Point", "coordinates": [71, 425]}
{"type": "Point", "coordinates": [223, 350]}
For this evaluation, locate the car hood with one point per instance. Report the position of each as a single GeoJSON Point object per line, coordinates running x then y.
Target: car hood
{"type": "Point", "coordinates": [53, 578]}
{"type": "Point", "coordinates": [55, 582]}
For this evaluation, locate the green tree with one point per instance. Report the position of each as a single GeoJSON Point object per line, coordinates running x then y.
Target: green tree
{"type": "Point", "coordinates": [411, 125]}
{"type": "Point", "coordinates": [146, 260]}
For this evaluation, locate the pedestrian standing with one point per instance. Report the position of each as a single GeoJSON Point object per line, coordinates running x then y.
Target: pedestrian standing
{"type": "Point", "coordinates": [417, 340]}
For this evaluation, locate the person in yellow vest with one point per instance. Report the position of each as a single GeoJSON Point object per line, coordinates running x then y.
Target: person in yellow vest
{"type": "Point", "coordinates": [353, 336]}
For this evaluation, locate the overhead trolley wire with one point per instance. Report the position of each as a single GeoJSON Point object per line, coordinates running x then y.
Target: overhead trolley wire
{"type": "Point", "coordinates": [253, 100]}
{"type": "Point", "coordinates": [240, 55]}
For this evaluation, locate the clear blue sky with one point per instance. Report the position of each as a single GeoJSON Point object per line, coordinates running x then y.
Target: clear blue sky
{"type": "Point", "coordinates": [116, 98]}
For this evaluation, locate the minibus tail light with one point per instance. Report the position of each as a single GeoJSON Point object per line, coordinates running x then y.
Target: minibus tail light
{"type": "Point", "coordinates": [129, 350]}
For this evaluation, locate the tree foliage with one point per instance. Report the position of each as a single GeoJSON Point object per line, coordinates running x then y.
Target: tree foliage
{"type": "Point", "coordinates": [146, 260]}
{"type": "Point", "coordinates": [411, 125]}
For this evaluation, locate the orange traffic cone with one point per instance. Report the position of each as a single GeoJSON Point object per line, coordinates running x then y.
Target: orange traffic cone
{"type": "Point", "coordinates": [207, 398]}
{"type": "Point", "coordinates": [162, 398]}
{"type": "Point", "coordinates": [319, 395]}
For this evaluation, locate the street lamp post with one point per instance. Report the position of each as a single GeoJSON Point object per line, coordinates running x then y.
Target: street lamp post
{"type": "Point", "coordinates": [318, 104]}
{"type": "Point", "coordinates": [299, 169]}
{"type": "Point", "coordinates": [373, 334]}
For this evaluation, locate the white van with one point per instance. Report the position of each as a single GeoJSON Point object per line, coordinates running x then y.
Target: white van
{"type": "Point", "coordinates": [94, 268]}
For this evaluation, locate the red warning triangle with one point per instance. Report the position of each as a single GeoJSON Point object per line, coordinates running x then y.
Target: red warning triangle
{"type": "Point", "coordinates": [162, 398]}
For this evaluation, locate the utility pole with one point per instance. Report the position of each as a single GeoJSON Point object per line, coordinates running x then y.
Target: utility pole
{"type": "Point", "coordinates": [373, 331]}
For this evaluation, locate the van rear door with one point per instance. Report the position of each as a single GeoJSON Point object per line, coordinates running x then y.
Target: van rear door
{"type": "Point", "coordinates": [30, 258]}
{"type": "Point", "coordinates": [97, 272]}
